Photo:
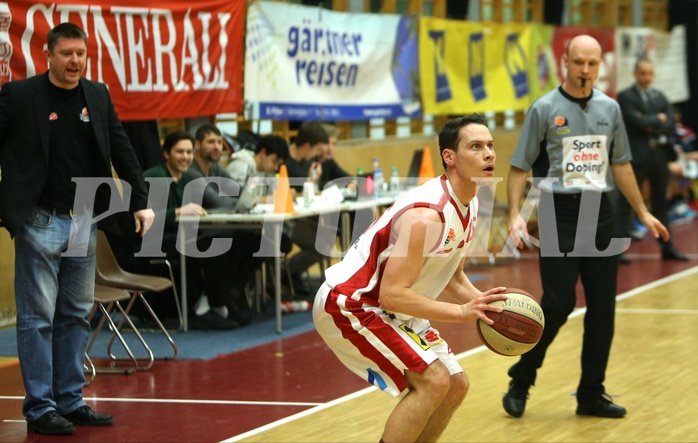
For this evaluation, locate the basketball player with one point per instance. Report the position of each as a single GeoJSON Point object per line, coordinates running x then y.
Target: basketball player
{"type": "Point", "coordinates": [375, 307]}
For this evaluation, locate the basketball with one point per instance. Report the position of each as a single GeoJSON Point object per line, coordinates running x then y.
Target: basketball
{"type": "Point", "coordinates": [516, 329]}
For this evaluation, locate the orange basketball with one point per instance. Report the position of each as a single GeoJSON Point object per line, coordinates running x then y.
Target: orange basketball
{"type": "Point", "coordinates": [517, 328]}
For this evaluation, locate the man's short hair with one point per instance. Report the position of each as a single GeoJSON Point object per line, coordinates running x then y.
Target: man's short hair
{"type": "Point", "coordinates": [205, 130]}
{"type": "Point", "coordinates": [312, 133]}
{"type": "Point", "coordinates": [332, 130]}
{"type": "Point", "coordinates": [273, 144]}
{"type": "Point", "coordinates": [449, 136]}
{"type": "Point", "coordinates": [64, 30]}
{"type": "Point", "coordinates": [173, 138]}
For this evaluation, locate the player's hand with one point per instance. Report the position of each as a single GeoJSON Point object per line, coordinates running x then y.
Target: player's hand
{"type": "Point", "coordinates": [315, 172]}
{"type": "Point", "coordinates": [144, 220]}
{"type": "Point", "coordinates": [475, 308]}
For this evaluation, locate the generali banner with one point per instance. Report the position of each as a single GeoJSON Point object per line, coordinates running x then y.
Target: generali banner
{"type": "Point", "coordinates": [169, 59]}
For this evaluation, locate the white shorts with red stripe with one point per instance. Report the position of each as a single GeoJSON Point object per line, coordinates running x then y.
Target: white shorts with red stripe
{"type": "Point", "coordinates": [374, 344]}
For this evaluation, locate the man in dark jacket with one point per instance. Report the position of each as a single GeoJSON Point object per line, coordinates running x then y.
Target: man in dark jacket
{"type": "Point", "coordinates": [649, 121]}
{"type": "Point", "coordinates": [57, 128]}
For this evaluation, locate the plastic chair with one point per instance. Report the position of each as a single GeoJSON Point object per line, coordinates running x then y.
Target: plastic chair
{"type": "Point", "coordinates": [109, 273]}
{"type": "Point", "coordinates": [107, 301]}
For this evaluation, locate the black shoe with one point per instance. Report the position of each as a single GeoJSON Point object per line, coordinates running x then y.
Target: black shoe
{"type": "Point", "coordinates": [624, 259]}
{"type": "Point", "coordinates": [85, 416]}
{"type": "Point", "coordinates": [602, 407]}
{"type": "Point", "coordinates": [670, 253]}
{"type": "Point", "coordinates": [212, 321]}
{"type": "Point", "coordinates": [243, 316]}
{"type": "Point", "coordinates": [514, 400]}
{"type": "Point", "coordinates": [51, 424]}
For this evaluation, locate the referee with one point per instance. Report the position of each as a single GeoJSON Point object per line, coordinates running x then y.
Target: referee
{"type": "Point", "coordinates": [574, 141]}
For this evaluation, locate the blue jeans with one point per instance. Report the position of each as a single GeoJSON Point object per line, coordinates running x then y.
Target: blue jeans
{"type": "Point", "coordinates": [54, 295]}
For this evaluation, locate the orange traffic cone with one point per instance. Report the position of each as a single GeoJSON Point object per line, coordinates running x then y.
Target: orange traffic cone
{"type": "Point", "coordinates": [283, 199]}
{"type": "Point", "coordinates": [426, 169]}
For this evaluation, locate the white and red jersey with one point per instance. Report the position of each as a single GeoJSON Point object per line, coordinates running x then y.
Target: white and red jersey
{"type": "Point", "coordinates": [377, 345]}
{"type": "Point", "coordinates": [358, 275]}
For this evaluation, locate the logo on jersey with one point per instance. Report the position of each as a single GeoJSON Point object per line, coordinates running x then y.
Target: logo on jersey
{"type": "Point", "coordinates": [414, 336]}
{"type": "Point", "coordinates": [450, 237]}
{"type": "Point", "coordinates": [432, 337]}
{"type": "Point", "coordinates": [562, 125]}
{"type": "Point", "coordinates": [602, 123]}
{"type": "Point", "coordinates": [375, 379]}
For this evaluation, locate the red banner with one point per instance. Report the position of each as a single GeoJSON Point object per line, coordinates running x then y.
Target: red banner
{"type": "Point", "coordinates": [169, 59]}
{"type": "Point", "coordinates": [606, 81]}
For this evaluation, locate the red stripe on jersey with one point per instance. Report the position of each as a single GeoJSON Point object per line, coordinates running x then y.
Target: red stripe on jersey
{"type": "Point", "coordinates": [361, 279]}
{"type": "Point", "coordinates": [464, 220]}
{"type": "Point", "coordinates": [380, 330]}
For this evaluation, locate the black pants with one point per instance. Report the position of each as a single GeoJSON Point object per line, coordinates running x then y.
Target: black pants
{"type": "Point", "coordinates": [559, 276]}
{"type": "Point", "coordinates": [654, 169]}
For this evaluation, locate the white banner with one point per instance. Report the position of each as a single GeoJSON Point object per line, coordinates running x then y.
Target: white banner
{"type": "Point", "coordinates": [666, 50]}
{"type": "Point", "coordinates": [309, 63]}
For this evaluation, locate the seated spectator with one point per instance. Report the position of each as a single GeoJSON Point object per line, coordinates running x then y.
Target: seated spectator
{"type": "Point", "coordinates": [332, 172]}
{"type": "Point", "coordinates": [269, 153]}
{"type": "Point", "coordinates": [330, 169]}
{"type": "Point", "coordinates": [684, 172]}
{"type": "Point", "coordinates": [305, 162]}
{"type": "Point", "coordinates": [177, 149]}
{"type": "Point", "coordinates": [207, 152]}
{"type": "Point", "coordinates": [266, 157]}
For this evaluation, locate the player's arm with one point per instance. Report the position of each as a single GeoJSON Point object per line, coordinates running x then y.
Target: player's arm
{"type": "Point", "coordinates": [627, 183]}
{"type": "Point", "coordinates": [460, 288]}
{"type": "Point", "coordinates": [417, 232]}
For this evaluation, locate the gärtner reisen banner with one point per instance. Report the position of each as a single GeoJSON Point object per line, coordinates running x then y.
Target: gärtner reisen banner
{"type": "Point", "coordinates": [309, 63]}
{"type": "Point", "coordinates": [160, 59]}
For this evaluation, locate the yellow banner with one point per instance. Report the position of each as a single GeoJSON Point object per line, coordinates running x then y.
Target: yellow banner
{"type": "Point", "coordinates": [542, 70]}
{"type": "Point", "coordinates": [474, 67]}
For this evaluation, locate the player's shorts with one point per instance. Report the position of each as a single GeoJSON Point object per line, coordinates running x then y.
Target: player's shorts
{"type": "Point", "coordinates": [374, 344]}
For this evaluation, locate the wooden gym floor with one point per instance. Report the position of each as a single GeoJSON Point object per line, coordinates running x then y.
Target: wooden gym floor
{"type": "Point", "coordinates": [294, 390]}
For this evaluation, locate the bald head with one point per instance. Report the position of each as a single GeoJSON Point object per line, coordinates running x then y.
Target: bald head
{"type": "Point", "coordinates": [582, 60]}
{"type": "Point", "coordinates": [583, 42]}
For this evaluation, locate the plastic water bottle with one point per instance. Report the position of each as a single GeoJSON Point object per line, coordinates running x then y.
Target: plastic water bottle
{"type": "Point", "coordinates": [394, 181]}
{"type": "Point", "coordinates": [379, 181]}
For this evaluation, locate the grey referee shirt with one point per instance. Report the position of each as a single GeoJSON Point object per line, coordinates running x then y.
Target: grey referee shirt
{"type": "Point", "coordinates": [580, 137]}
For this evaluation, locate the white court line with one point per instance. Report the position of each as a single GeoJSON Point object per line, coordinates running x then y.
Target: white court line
{"type": "Point", "coordinates": [575, 313]}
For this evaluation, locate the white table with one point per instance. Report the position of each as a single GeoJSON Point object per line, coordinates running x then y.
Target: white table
{"type": "Point", "coordinates": [272, 223]}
